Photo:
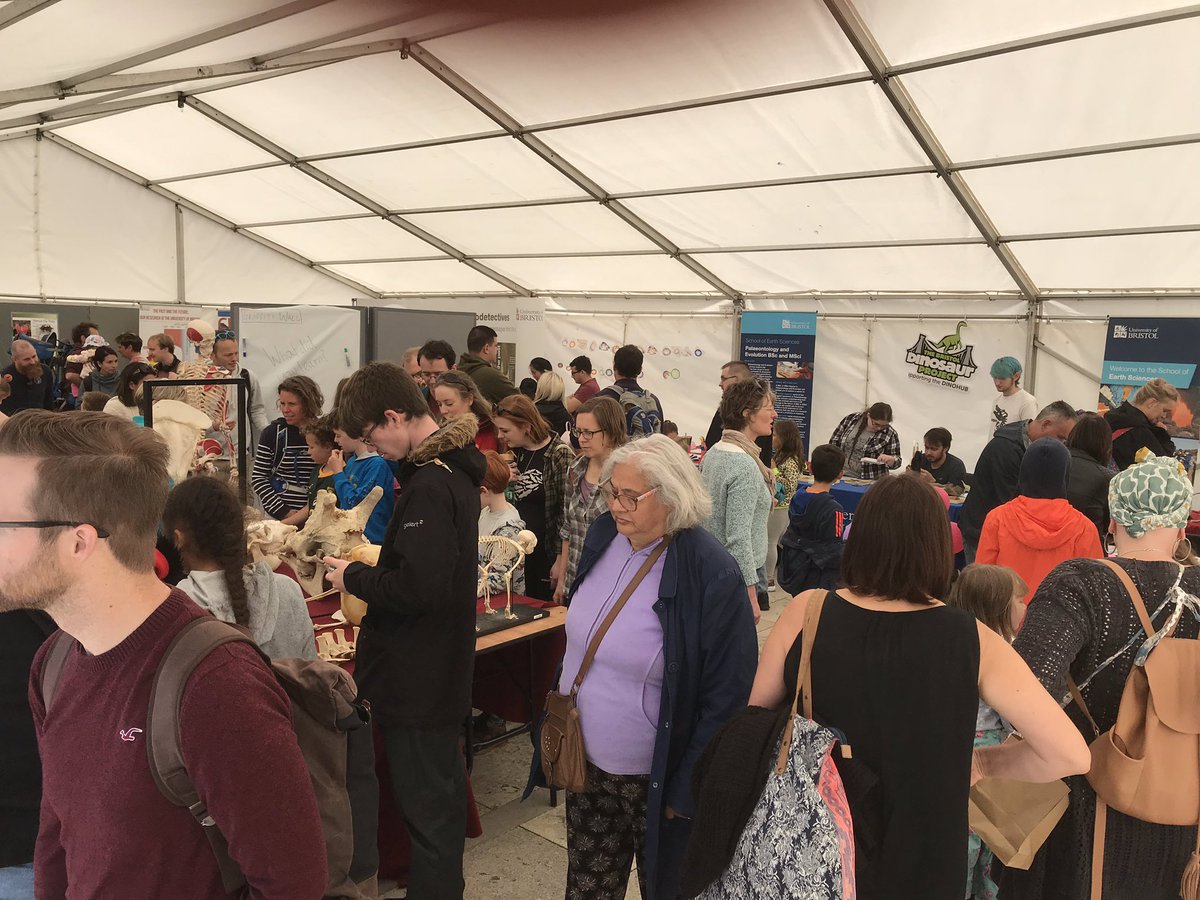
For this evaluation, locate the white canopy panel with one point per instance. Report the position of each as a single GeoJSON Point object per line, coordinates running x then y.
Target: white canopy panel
{"type": "Point", "coordinates": [661, 147]}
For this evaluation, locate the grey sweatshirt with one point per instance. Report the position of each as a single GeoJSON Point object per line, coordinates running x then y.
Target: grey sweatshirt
{"type": "Point", "coordinates": [279, 620]}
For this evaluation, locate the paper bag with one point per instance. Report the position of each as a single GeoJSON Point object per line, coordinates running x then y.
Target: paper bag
{"type": "Point", "coordinates": [1014, 818]}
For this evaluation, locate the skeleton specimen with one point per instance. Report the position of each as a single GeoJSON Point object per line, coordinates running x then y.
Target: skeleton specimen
{"type": "Point", "coordinates": [503, 552]}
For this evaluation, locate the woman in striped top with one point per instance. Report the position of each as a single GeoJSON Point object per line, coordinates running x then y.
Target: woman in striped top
{"type": "Point", "coordinates": [282, 466]}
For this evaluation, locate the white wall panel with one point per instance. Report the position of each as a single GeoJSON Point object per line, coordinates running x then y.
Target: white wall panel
{"type": "Point", "coordinates": [162, 141]}
{"type": "Point", "coordinates": [851, 128]}
{"type": "Point", "coordinates": [489, 171]}
{"type": "Point", "coordinates": [561, 228]}
{"type": "Point", "coordinates": [100, 234]}
{"type": "Point", "coordinates": [224, 267]}
{"type": "Point", "coordinates": [964, 268]}
{"type": "Point", "coordinates": [1081, 342]}
{"type": "Point", "coordinates": [872, 209]}
{"type": "Point", "coordinates": [18, 242]}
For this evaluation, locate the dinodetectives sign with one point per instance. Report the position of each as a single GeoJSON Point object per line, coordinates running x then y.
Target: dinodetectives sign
{"type": "Point", "coordinates": [942, 362]}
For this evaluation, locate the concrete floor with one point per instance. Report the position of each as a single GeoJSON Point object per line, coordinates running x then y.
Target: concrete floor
{"type": "Point", "coordinates": [522, 854]}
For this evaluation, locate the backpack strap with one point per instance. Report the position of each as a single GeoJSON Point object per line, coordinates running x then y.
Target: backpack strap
{"type": "Point", "coordinates": [61, 645]}
{"type": "Point", "coordinates": [190, 646]}
{"type": "Point", "coordinates": [1135, 595]}
{"type": "Point", "coordinates": [1098, 849]}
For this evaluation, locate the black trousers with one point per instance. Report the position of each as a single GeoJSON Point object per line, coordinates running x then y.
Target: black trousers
{"type": "Point", "coordinates": [606, 831]}
{"type": "Point", "coordinates": [429, 782]}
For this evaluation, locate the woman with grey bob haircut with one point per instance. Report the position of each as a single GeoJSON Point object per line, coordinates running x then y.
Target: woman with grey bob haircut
{"type": "Point", "coordinates": [673, 476]}
{"type": "Point", "coordinates": [676, 664]}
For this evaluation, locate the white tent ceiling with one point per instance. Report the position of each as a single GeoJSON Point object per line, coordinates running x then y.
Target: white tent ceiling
{"type": "Point", "coordinates": [684, 147]}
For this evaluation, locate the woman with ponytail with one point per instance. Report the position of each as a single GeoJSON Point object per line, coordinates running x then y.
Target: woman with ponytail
{"type": "Point", "coordinates": [207, 522]}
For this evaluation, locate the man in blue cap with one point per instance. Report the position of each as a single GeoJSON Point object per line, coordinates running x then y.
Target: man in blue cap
{"type": "Point", "coordinates": [1014, 403]}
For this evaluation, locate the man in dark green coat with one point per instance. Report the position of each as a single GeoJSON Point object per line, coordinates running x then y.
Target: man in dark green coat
{"type": "Point", "coordinates": [483, 349]}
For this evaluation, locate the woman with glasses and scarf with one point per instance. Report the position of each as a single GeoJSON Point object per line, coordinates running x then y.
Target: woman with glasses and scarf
{"type": "Point", "coordinates": [869, 441]}
{"type": "Point", "coordinates": [741, 487]}
{"type": "Point", "coordinates": [676, 664]}
{"type": "Point", "coordinates": [600, 429]}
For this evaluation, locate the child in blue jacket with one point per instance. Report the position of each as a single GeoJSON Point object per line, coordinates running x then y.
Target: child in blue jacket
{"type": "Point", "coordinates": [354, 477]}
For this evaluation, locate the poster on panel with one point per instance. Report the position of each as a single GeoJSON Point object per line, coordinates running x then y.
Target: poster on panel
{"type": "Point", "coordinates": [35, 326]}
{"type": "Point", "coordinates": [1138, 350]}
{"type": "Point", "coordinates": [172, 321]}
{"type": "Point", "coordinates": [322, 342]}
{"type": "Point", "coordinates": [781, 347]}
{"type": "Point", "coordinates": [519, 330]}
{"type": "Point", "coordinates": [936, 373]}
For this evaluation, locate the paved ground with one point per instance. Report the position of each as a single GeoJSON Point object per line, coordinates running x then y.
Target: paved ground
{"type": "Point", "coordinates": [522, 854]}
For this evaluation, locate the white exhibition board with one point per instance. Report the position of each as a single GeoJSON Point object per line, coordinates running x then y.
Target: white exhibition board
{"type": "Point", "coordinates": [323, 342]}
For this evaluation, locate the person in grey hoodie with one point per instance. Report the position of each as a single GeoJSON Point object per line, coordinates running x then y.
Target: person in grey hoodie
{"type": "Point", "coordinates": [207, 522]}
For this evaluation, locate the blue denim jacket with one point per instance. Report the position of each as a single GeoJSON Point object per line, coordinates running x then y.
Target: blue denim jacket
{"type": "Point", "coordinates": [710, 653]}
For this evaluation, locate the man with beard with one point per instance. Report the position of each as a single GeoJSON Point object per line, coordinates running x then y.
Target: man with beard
{"type": "Point", "coordinates": [937, 465]}
{"type": "Point", "coordinates": [30, 383]}
{"type": "Point", "coordinates": [85, 556]}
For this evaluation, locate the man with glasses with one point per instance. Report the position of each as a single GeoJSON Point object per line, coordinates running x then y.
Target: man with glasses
{"type": "Point", "coordinates": [416, 648]}
{"type": "Point", "coordinates": [589, 387]}
{"type": "Point", "coordinates": [86, 557]}
{"type": "Point", "coordinates": [434, 358]}
{"type": "Point", "coordinates": [731, 374]}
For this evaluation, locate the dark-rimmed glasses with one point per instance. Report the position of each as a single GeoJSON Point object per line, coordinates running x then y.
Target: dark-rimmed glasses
{"type": "Point", "coordinates": [586, 432]}
{"type": "Point", "coordinates": [54, 523]}
{"type": "Point", "coordinates": [626, 501]}
{"type": "Point", "coordinates": [365, 437]}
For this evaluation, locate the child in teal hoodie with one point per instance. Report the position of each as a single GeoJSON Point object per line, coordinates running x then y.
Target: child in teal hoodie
{"type": "Point", "coordinates": [353, 479]}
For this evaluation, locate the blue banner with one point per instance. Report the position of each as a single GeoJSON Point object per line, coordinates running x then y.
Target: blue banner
{"type": "Point", "coordinates": [1138, 350]}
{"type": "Point", "coordinates": [781, 347]}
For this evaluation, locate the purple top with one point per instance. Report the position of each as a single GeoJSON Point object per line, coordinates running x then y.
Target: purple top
{"type": "Point", "coordinates": [620, 697]}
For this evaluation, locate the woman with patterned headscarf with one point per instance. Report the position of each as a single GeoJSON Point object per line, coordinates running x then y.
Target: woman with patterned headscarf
{"type": "Point", "coordinates": [1082, 622]}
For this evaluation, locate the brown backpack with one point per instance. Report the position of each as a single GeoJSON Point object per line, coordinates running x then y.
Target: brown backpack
{"type": "Point", "coordinates": [1148, 764]}
{"type": "Point", "coordinates": [327, 718]}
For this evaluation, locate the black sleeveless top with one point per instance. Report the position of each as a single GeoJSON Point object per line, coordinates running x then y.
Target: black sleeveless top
{"type": "Point", "coordinates": [903, 688]}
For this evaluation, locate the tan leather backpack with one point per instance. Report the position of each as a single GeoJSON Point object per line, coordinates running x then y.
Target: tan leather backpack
{"type": "Point", "coordinates": [1148, 764]}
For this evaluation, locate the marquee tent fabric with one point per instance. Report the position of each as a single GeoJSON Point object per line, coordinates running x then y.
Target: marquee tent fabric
{"type": "Point", "coordinates": [316, 151]}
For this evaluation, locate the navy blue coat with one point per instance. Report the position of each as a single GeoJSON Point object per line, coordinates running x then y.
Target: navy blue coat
{"type": "Point", "coordinates": [710, 653]}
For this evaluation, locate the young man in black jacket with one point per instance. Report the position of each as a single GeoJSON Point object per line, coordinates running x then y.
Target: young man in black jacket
{"type": "Point", "coordinates": [416, 648]}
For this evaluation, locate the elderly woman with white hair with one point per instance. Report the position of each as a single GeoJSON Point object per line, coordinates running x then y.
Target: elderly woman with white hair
{"type": "Point", "coordinates": [1084, 622]}
{"type": "Point", "coordinates": [677, 662]}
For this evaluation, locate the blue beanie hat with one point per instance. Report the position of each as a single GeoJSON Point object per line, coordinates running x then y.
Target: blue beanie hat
{"type": "Point", "coordinates": [1045, 468]}
{"type": "Point", "coordinates": [1006, 367]}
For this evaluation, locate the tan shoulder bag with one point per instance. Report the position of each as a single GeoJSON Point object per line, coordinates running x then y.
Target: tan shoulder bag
{"type": "Point", "coordinates": [1148, 764]}
{"type": "Point", "coordinates": [564, 762]}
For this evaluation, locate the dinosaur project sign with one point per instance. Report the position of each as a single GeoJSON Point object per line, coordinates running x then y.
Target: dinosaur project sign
{"type": "Point", "coordinates": [942, 362]}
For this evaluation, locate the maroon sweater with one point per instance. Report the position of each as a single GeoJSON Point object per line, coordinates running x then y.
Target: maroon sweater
{"type": "Point", "coordinates": [106, 831]}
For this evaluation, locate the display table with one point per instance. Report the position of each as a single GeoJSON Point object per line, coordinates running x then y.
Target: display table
{"type": "Point", "coordinates": [850, 494]}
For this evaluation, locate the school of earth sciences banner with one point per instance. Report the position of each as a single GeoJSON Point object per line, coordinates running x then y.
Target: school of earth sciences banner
{"type": "Point", "coordinates": [781, 347]}
{"type": "Point", "coordinates": [1138, 350]}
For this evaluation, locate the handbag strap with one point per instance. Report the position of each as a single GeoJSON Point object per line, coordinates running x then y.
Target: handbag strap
{"type": "Point", "coordinates": [594, 643]}
{"type": "Point", "coordinates": [1139, 605]}
{"type": "Point", "coordinates": [814, 603]}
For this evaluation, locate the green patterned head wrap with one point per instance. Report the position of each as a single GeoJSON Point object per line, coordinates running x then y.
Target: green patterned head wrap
{"type": "Point", "coordinates": [1150, 495]}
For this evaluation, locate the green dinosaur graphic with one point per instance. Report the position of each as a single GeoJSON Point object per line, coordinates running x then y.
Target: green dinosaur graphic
{"type": "Point", "coordinates": [952, 343]}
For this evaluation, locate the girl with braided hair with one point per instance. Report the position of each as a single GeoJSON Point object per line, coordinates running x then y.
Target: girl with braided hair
{"type": "Point", "coordinates": [207, 522]}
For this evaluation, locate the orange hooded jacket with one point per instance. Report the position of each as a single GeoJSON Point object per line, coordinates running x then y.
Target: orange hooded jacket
{"type": "Point", "coordinates": [1033, 536]}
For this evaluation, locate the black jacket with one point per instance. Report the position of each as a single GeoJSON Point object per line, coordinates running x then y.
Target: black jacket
{"type": "Point", "coordinates": [810, 551]}
{"type": "Point", "coordinates": [21, 634]}
{"type": "Point", "coordinates": [1087, 489]}
{"type": "Point", "coordinates": [555, 414]}
{"type": "Point", "coordinates": [995, 480]}
{"type": "Point", "coordinates": [27, 394]}
{"type": "Point", "coordinates": [416, 649]}
{"type": "Point", "coordinates": [765, 449]}
{"type": "Point", "coordinates": [1138, 432]}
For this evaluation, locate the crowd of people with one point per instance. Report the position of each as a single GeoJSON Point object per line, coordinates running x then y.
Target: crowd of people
{"type": "Point", "coordinates": [938, 640]}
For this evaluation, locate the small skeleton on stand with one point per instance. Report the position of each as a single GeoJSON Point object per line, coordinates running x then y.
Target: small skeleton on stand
{"type": "Point", "coordinates": [503, 557]}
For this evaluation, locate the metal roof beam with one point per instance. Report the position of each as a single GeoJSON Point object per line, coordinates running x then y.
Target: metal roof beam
{"type": "Point", "coordinates": [489, 108]}
{"type": "Point", "coordinates": [1175, 140]}
{"type": "Point", "coordinates": [17, 10]}
{"type": "Point", "coordinates": [201, 211]}
{"type": "Point", "coordinates": [868, 49]}
{"type": "Point", "coordinates": [1045, 40]}
{"type": "Point", "coordinates": [249, 134]}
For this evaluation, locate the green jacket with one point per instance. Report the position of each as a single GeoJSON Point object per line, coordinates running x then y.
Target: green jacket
{"type": "Point", "coordinates": [490, 380]}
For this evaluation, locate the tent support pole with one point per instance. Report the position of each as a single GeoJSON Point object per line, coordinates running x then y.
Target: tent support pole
{"type": "Point", "coordinates": [1074, 366]}
{"type": "Point", "coordinates": [20, 9]}
{"type": "Point", "coordinates": [489, 108]}
{"type": "Point", "coordinates": [180, 267]}
{"type": "Point", "coordinates": [868, 49]}
{"type": "Point", "coordinates": [249, 134]}
{"type": "Point", "coordinates": [1033, 327]}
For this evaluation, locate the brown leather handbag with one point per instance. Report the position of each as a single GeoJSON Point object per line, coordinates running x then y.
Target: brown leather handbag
{"type": "Point", "coordinates": [564, 762]}
{"type": "Point", "coordinates": [1148, 764]}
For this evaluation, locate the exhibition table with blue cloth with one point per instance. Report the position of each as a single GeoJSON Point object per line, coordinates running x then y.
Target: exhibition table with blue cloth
{"type": "Point", "coordinates": [850, 493]}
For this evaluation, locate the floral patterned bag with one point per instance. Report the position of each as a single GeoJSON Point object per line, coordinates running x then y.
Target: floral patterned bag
{"type": "Point", "coordinates": [799, 841]}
